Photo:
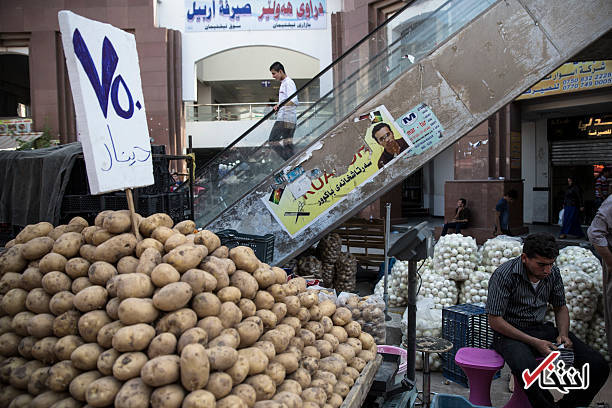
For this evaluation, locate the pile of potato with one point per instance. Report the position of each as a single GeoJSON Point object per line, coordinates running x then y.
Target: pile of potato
{"type": "Point", "coordinates": [92, 316]}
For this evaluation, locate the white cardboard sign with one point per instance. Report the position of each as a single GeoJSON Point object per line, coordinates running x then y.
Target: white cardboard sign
{"type": "Point", "coordinates": [112, 127]}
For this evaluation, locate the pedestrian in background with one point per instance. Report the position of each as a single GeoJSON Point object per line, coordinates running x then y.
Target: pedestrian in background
{"type": "Point", "coordinates": [502, 216]}
{"type": "Point", "coordinates": [281, 136]}
{"type": "Point", "coordinates": [572, 207]}
{"type": "Point", "coordinates": [600, 235]}
{"type": "Point", "coordinates": [601, 187]}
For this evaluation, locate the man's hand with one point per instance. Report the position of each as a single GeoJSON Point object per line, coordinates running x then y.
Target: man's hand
{"type": "Point", "coordinates": [565, 340]}
{"type": "Point", "coordinates": [544, 347]}
{"type": "Point", "coordinates": [275, 108]}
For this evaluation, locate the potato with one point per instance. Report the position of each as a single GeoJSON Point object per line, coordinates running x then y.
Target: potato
{"type": "Point", "coordinates": [347, 379]}
{"type": "Point", "coordinates": [327, 307]}
{"type": "Point", "coordinates": [314, 394]}
{"type": "Point", "coordinates": [54, 282]}
{"type": "Point", "coordinates": [32, 231]}
{"type": "Point", "coordinates": [21, 401]}
{"type": "Point", "coordinates": [278, 292]}
{"type": "Point", "coordinates": [249, 333]}
{"type": "Point", "coordinates": [79, 384]}
{"type": "Point", "coordinates": [36, 248]}
{"type": "Point", "coordinates": [106, 361]}
{"type": "Point", "coordinates": [171, 396]}
{"type": "Point", "coordinates": [102, 392]}
{"type": "Point", "coordinates": [268, 318]}
{"type": "Point", "coordinates": [258, 361]}
{"type": "Point", "coordinates": [127, 264]}
{"type": "Point", "coordinates": [161, 345]}
{"type": "Point", "coordinates": [24, 348]}
{"type": "Point", "coordinates": [87, 252]}
{"type": "Point", "coordinates": [128, 365]}
{"type": "Point", "coordinates": [267, 347]}
{"type": "Point", "coordinates": [310, 364]}
{"type": "Point", "coordinates": [91, 298]}
{"type": "Point", "coordinates": [229, 314]}
{"type": "Point", "coordinates": [269, 404]}
{"type": "Point", "coordinates": [175, 240]}
{"type": "Point", "coordinates": [149, 259]}
{"type": "Point", "coordinates": [231, 401]}
{"type": "Point", "coordinates": [77, 267]}
{"type": "Point", "coordinates": [288, 360]}
{"type": "Point", "coordinates": [91, 323]}
{"type": "Point", "coordinates": [280, 310]}
{"type": "Point", "coordinates": [222, 357]}
{"type": "Point", "coordinates": [169, 365]}
{"type": "Point", "coordinates": [20, 376]}
{"type": "Point", "coordinates": [133, 338]}
{"type": "Point", "coordinates": [221, 276]}
{"type": "Point", "coordinates": [244, 258]}
{"type": "Point", "coordinates": [52, 262]}
{"type": "Point", "coordinates": [229, 294]}
{"type": "Point", "coordinates": [327, 324]}
{"type": "Point", "coordinates": [287, 329]}
{"type": "Point", "coordinates": [263, 385]}
{"type": "Point", "coordinates": [112, 308]}
{"type": "Point", "coordinates": [177, 322]}
{"type": "Point", "coordinates": [195, 335]}
{"type": "Point", "coordinates": [164, 274]}
{"type": "Point", "coordinates": [263, 300]}
{"type": "Point", "coordinates": [161, 234]}
{"type": "Point", "coordinates": [66, 324]}
{"type": "Point", "coordinates": [173, 296]}
{"type": "Point", "coordinates": [199, 280]}
{"type": "Point", "coordinates": [353, 329]}
{"type": "Point", "coordinates": [20, 323]}
{"type": "Point", "coordinates": [148, 225]}
{"type": "Point", "coordinates": [366, 355]}
{"type": "Point", "coordinates": [326, 376]}
{"type": "Point", "coordinates": [339, 333]}
{"type": "Point", "coordinates": [208, 239]}
{"type": "Point", "coordinates": [79, 284]}
{"type": "Point", "coordinates": [12, 260]}
{"type": "Point", "coordinates": [133, 394]}
{"type": "Point", "coordinates": [265, 277]}
{"type": "Point", "coordinates": [246, 393]}
{"type": "Point", "coordinates": [290, 399]}
{"type": "Point", "coordinates": [44, 350]}
{"type": "Point", "coordinates": [198, 399]}
{"type": "Point", "coordinates": [281, 275]}
{"type": "Point", "coordinates": [194, 367]}
{"type": "Point", "coordinates": [14, 301]}
{"type": "Point", "coordinates": [185, 257]}
{"type": "Point", "coordinates": [64, 347]}
{"type": "Point", "coordinates": [221, 252]}
{"type": "Point", "coordinates": [332, 364]}
{"type": "Point", "coordinates": [135, 285]}
{"type": "Point", "coordinates": [302, 376]}
{"type": "Point", "coordinates": [246, 283]}
{"type": "Point", "coordinates": [212, 325]}
{"type": "Point", "coordinates": [137, 310]}
{"type": "Point", "coordinates": [8, 365]}
{"type": "Point", "coordinates": [100, 272]}
{"type": "Point", "coordinates": [316, 328]}
{"type": "Point", "coordinates": [115, 248]}
{"type": "Point", "coordinates": [88, 233]}
{"type": "Point", "coordinates": [106, 333]}
{"type": "Point", "coordinates": [239, 370]}
{"type": "Point", "coordinates": [85, 357]}
{"type": "Point", "coordinates": [68, 244]}
{"type": "Point", "coordinates": [247, 307]}
{"type": "Point", "coordinates": [303, 314]}
{"type": "Point", "coordinates": [31, 278]}
{"type": "Point", "coordinates": [47, 399]}
{"type": "Point", "coordinates": [351, 372]}
{"type": "Point", "coordinates": [61, 374]}
{"type": "Point", "coordinates": [117, 222]}
{"type": "Point", "coordinates": [357, 363]}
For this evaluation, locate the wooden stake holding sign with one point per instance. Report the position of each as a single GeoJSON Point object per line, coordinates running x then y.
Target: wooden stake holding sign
{"type": "Point", "coordinates": [102, 64]}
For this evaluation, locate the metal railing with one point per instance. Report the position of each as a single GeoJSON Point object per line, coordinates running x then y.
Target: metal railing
{"type": "Point", "coordinates": [210, 112]}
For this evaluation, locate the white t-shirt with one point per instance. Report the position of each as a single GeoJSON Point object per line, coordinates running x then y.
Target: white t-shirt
{"type": "Point", "coordinates": [287, 113]}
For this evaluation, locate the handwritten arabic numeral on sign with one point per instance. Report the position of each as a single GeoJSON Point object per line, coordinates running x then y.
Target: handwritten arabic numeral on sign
{"type": "Point", "coordinates": [103, 88]}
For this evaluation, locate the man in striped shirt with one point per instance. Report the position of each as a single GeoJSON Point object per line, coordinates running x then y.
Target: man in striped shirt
{"type": "Point", "coordinates": [519, 291]}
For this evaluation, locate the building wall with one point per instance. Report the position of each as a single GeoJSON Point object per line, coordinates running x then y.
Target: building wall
{"type": "Point", "coordinates": [199, 45]}
{"type": "Point", "coordinates": [50, 94]}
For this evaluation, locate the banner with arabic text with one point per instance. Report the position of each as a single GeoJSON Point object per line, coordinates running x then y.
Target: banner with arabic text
{"type": "Point", "coordinates": [572, 77]}
{"type": "Point", "coordinates": [246, 15]}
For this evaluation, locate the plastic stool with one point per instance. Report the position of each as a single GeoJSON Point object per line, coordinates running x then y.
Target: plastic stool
{"type": "Point", "coordinates": [519, 398]}
{"type": "Point", "coordinates": [480, 365]}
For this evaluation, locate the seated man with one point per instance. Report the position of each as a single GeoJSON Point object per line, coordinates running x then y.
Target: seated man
{"type": "Point", "coordinates": [519, 291]}
{"type": "Point", "coordinates": [460, 220]}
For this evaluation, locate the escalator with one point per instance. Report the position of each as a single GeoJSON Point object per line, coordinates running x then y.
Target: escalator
{"type": "Point", "coordinates": [431, 73]}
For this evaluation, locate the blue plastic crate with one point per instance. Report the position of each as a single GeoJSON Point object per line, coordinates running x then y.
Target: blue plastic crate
{"type": "Point", "coordinates": [451, 401]}
{"type": "Point", "coordinates": [464, 325]}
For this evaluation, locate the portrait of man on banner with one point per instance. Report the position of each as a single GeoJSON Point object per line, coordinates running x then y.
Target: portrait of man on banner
{"type": "Point", "coordinates": [384, 139]}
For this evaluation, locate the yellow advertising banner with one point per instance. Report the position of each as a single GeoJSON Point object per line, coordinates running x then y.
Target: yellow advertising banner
{"type": "Point", "coordinates": [572, 77]}
{"type": "Point", "coordinates": [301, 197]}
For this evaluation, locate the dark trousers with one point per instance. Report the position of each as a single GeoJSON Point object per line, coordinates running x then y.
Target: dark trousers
{"type": "Point", "coordinates": [281, 139]}
{"type": "Point", "coordinates": [519, 356]}
{"type": "Point", "coordinates": [456, 225]}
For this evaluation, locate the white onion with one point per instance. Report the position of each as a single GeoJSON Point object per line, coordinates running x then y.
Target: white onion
{"type": "Point", "coordinates": [455, 256]}
{"type": "Point", "coordinates": [596, 335]}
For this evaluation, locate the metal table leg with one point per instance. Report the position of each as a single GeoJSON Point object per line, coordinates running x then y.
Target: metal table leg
{"type": "Point", "coordinates": [426, 380]}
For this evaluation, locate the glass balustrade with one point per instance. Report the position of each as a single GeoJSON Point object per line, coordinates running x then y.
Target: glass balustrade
{"type": "Point", "coordinates": [358, 75]}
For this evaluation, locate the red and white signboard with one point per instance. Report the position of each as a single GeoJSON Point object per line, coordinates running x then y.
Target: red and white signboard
{"type": "Point", "coordinates": [104, 77]}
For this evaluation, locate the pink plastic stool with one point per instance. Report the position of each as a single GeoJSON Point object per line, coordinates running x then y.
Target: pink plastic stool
{"type": "Point", "coordinates": [480, 365]}
{"type": "Point", "coordinates": [519, 398]}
